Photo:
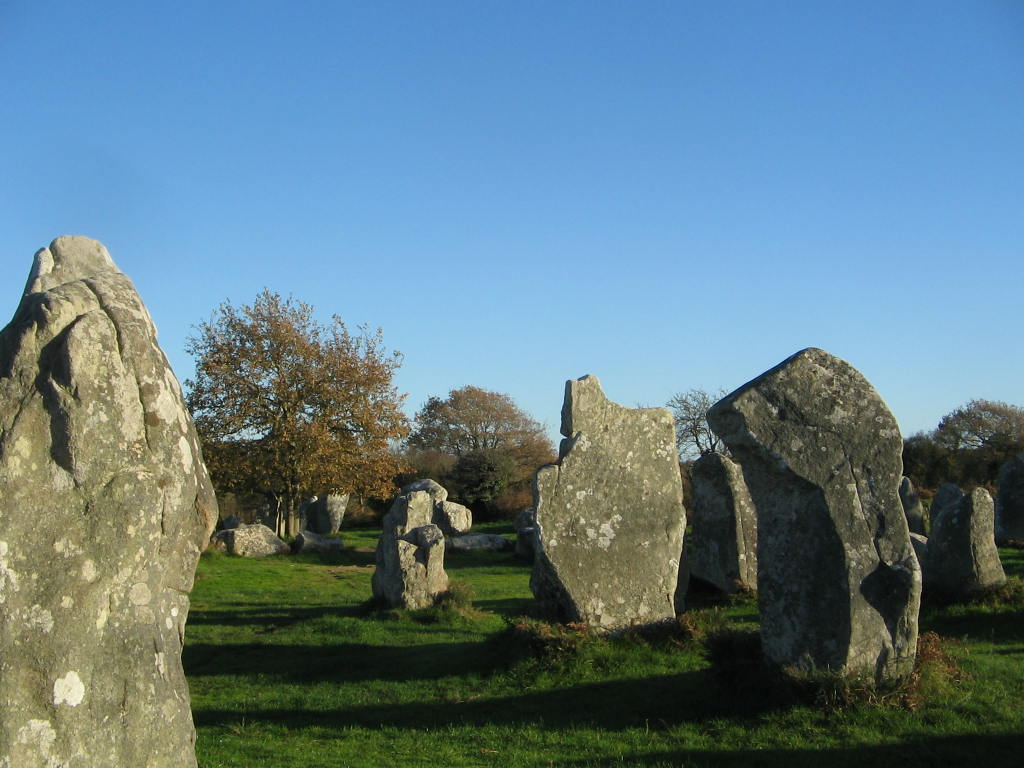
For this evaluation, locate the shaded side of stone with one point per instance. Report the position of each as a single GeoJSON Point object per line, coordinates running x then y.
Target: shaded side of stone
{"type": "Point", "coordinates": [838, 582]}
{"type": "Point", "coordinates": [723, 544]}
{"type": "Point", "coordinates": [106, 506]}
{"type": "Point", "coordinates": [609, 514]}
{"type": "Point", "coordinates": [912, 507]}
{"type": "Point", "coordinates": [962, 558]}
{"type": "Point", "coordinates": [1010, 501]}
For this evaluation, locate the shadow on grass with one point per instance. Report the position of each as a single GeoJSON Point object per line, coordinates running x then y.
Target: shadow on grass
{"type": "Point", "coordinates": [977, 623]}
{"type": "Point", "coordinates": [609, 705]}
{"type": "Point", "coordinates": [994, 749]}
{"type": "Point", "coordinates": [273, 618]}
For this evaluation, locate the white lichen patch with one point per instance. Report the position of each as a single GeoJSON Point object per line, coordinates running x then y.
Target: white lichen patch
{"type": "Point", "coordinates": [67, 602]}
{"type": "Point", "coordinates": [161, 666]}
{"type": "Point", "coordinates": [140, 594]}
{"type": "Point", "coordinates": [8, 578]}
{"type": "Point", "coordinates": [89, 572]}
{"type": "Point", "coordinates": [68, 690]}
{"type": "Point", "coordinates": [38, 734]}
{"type": "Point", "coordinates": [39, 618]}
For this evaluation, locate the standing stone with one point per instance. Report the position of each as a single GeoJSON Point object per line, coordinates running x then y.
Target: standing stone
{"type": "Point", "coordinates": [453, 519]}
{"type": "Point", "coordinates": [838, 583]}
{"type": "Point", "coordinates": [947, 495]}
{"type": "Point", "coordinates": [962, 558]}
{"type": "Point", "coordinates": [912, 507]}
{"type": "Point", "coordinates": [609, 514]}
{"type": "Point", "coordinates": [105, 508]}
{"type": "Point", "coordinates": [410, 554]}
{"type": "Point", "coordinates": [1010, 501]}
{"type": "Point", "coordinates": [526, 533]}
{"type": "Point", "coordinates": [326, 512]}
{"type": "Point", "coordinates": [724, 539]}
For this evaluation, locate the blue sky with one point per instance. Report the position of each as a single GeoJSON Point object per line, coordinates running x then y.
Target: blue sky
{"type": "Point", "coordinates": [664, 194]}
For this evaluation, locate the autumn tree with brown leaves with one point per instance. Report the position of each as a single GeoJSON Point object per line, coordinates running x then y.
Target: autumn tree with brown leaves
{"type": "Point", "coordinates": [492, 447]}
{"type": "Point", "coordinates": [287, 407]}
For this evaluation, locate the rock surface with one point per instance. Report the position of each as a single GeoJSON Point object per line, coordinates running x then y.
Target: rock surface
{"type": "Point", "coordinates": [325, 512]}
{"type": "Point", "coordinates": [307, 541]}
{"type": "Point", "coordinates": [255, 540]}
{"type": "Point", "coordinates": [478, 541]}
{"type": "Point", "coordinates": [838, 583]}
{"type": "Point", "coordinates": [912, 507]}
{"type": "Point", "coordinates": [453, 519]}
{"type": "Point", "coordinates": [946, 495]}
{"type": "Point", "coordinates": [94, 581]}
{"type": "Point", "coordinates": [1010, 501]}
{"type": "Point", "coordinates": [962, 557]}
{"type": "Point", "coordinates": [723, 544]}
{"type": "Point", "coordinates": [609, 514]}
{"type": "Point", "coordinates": [410, 554]}
{"type": "Point", "coordinates": [526, 534]}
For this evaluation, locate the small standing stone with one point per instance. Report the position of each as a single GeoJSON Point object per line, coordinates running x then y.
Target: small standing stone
{"type": "Point", "coordinates": [609, 514]}
{"type": "Point", "coordinates": [1010, 501]}
{"type": "Point", "coordinates": [410, 554]}
{"type": "Point", "coordinates": [912, 507]}
{"type": "Point", "coordinates": [724, 539]}
{"type": "Point", "coordinates": [962, 556]}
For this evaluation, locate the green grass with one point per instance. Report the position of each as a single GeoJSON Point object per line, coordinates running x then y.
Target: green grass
{"type": "Point", "coordinates": [290, 665]}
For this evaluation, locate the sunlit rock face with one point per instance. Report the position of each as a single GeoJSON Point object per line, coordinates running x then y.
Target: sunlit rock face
{"type": "Point", "coordinates": [410, 554]}
{"type": "Point", "coordinates": [838, 582]}
{"type": "Point", "coordinates": [609, 514]}
{"type": "Point", "coordinates": [106, 504]}
{"type": "Point", "coordinates": [962, 558]}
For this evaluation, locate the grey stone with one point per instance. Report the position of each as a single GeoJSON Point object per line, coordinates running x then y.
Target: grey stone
{"type": "Point", "coordinates": [1010, 501]}
{"type": "Point", "coordinates": [410, 554]}
{"type": "Point", "coordinates": [231, 521]}
{"type": "Point", "coordinates": [912, 507]}
{"type": "Point", "coordinates": [255, 540]}
{"type": "Point", "coordinates": [947, 495]}
{"type": "Point", "coordinates": [526, 534]}
{"type": "Point", "coordinates": [325, 512]}
{"type": "Point", "coordinates": [609, 514]}
{"type": "Point", "coordinates": [106, 505]}
{"type": "Point", "coordinates": [453, 519]}
{"type": "Point", "coordinates": [478, 541]}
{"type": "Point", "coordinates": [920, 544]}
{"type": "Point", "coordinates": [838, 583]}
{"type": "Point", "coordinates": [962, 556]}
{"type": "Point", "coordinates": [436, 490]}
{"type": "Point", "coordinates": [307, 541]}
{"type": "Point", "coordinates": [723, 543]}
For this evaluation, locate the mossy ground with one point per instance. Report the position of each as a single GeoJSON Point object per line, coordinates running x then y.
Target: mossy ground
{"type": "Point", "coordinates": [291, 665]}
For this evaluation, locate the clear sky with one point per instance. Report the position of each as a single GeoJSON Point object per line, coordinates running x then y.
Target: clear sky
{"type": "Point", "coordinates": [664, 194]}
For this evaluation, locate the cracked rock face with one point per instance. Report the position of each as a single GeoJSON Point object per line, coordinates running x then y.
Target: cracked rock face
{"type": "Point", "coordinates": [724, 540]}
{"type": "Point", "coordinates": [105, 509]}
{"type": "Point", "coordinates": [838, 583]}
{"type": "Point", "coordinates": [609, 515]}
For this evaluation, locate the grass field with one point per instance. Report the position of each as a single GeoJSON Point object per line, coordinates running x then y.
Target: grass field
{"type": "Point", "coordinates": [289, 666]}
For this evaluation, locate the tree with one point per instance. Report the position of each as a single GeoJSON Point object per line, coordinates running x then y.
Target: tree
{"type": "Point", "coordinates": [287, 407]}
{"type": "Point", "coordinates": [983, 425]}
{"type": "Point", "coordinates": [495, 445]}
{"type": "Point", "coordinates": [694, 437]}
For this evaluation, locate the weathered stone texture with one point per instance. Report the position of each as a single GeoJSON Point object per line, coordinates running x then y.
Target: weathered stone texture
{"type": "Point", "coordinates": [106, 505]}
{"type": "Point", "coordinates": [609, 514]}
{"type": "Point", "coordinates": [324, 513]}
{"type": "Point", "coordinates": [255, 540]}
{"type": "Point", "coordinates": [947, 495]}
{"type": "Point", "coordinates": [1010, 501]}
{"type": "Point", "coordinates": [307, 541]}
{"type": "Point", "coordinates": [410, 554]}
{"type": "Point", "coordinates": [723, 544]}
{"type": "Point", "coordinates": [838, 582]}
{"type": "Point", "coordinates": [480, 541]}
{"type": "Point", "coordinates": [912, 507]}
{"type": "Point", "coordinates": [962, 558]}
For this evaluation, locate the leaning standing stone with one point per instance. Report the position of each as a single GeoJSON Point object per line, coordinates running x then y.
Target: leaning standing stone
{"type": "Point", "coordinates": [962, 558]}
{"type": "Point", "coordinates": [839, 585]}
{"type": "Point", "coordinates": [912, 507]}
{"type": "Point", "coordinates": [724, 539]}
{"type": "Point", "coordinates": [609, 514]}
{"type": "Point", "coordinates": [106, 505]}
{"type": "Point", "coordinates": [1010, 501]}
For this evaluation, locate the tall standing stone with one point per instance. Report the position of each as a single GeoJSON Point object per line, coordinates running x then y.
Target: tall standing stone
{"type": "Point", "coordinates": [609, 514]}
{"type": "Point", "coordinates": [912, 507]}
{"type": "Point", "coordinates": [723, 544]}
{"type": "Point", "coordinates": [324, 512]}
{"type": "Point", "coordinates": [962, 558]}
{"type": "Point", "coordinates": [1010, 501]}
{"type": "Point", "coordinates": [106, 505]}
{"type": "Point", "coordinates": [838, 583]}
